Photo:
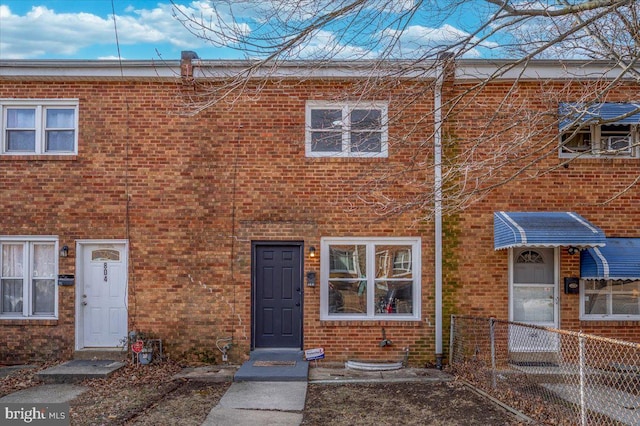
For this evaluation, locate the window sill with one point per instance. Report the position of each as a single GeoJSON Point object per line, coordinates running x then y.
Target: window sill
{"type": "Point", "coordinates": [6, 157]}
{"type": "Point", "coordinates": [401, 322]}
{"type": "Point", "coordinates": [29, 321]}
{"type": "Point", "coordinates": [610, 318]}
{"type": "Point", "coordinates": [599, 157]}
{"type": "Point", "coordinates": [336, 158]}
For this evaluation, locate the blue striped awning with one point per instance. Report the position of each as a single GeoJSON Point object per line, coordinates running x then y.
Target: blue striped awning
{"type": "Point", "coordinates": [544, 229]}
{"type": "Point", "coordinates": [619, 259]}
{"type": "Point", "coordinates": [621, 113]}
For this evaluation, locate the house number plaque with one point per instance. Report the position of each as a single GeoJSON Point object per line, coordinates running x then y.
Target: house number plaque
{"type": "Point", "coordinates": [105, 272]}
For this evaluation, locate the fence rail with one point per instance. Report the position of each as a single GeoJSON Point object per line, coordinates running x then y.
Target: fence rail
{"type": "Point", "coordinates": [554, 376]}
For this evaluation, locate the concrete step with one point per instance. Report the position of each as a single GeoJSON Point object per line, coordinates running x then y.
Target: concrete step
{"type": "Point", "coordinates": [78, 370]}
{"type": "Point", "coordinates": [113, 354]}
{"type": "Point", "coordinates": [274, 365]}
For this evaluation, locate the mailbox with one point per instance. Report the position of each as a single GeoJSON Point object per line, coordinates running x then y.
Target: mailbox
{"type": "Point", "coordinates": [311, 279]}
{"type": "Point", "coordinates": [66, 280]}
{"type": "Point", "coordinates": [571, 285]}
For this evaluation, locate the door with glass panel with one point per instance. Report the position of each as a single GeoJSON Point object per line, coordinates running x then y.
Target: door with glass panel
{"type": "Point", "coordinates": [533, 299]}
{"type": "Point", "coordinates": [103, 301]}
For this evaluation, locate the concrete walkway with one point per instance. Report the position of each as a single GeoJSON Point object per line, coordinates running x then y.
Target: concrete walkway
{"type": "Point", "coordinates": [269, 389]}
{"type": "Point", "coordinates": [260, 403]}
{"type": "Point", "coordinates": [253, 403]}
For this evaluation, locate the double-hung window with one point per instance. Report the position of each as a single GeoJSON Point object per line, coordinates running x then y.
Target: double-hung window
{"type": "Point", "coordinates": [39, 127]}
{"type": "Point", "coordinates": [370, 278]}
{"type": "Point", "coordinates": [346, 130]}
{"type": "Point", "coordinates": [28, 271]}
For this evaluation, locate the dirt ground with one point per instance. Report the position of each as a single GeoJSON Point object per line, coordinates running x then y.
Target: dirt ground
{"type": "Point", "coordinates": [150, 395]}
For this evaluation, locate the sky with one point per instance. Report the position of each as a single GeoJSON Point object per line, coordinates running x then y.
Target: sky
{"type": "Point", "coordinates": [85, 29]}
{"type": "Point", "coordinates": [148, 30]}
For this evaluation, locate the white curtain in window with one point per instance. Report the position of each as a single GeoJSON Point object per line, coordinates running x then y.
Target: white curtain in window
{"type": "Point", "coordinates": [43, 278]}
{"type": "Point", "coordinates": [12, 277]}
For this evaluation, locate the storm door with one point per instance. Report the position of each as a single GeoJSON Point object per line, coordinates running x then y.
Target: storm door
{"type": "Point", "coordinates": [277, 295]}
{"type": "Point", "coordinates": [533, 299]}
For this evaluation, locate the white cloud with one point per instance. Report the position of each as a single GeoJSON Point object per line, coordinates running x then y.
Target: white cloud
{"type": "Point", "coordinates": [416, 40]}
{"type": "Point", "coordinates": [42, 30]}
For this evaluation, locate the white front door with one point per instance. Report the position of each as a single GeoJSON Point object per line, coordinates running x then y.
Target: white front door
{"type": "Point", "coordinates": [103, 295]}
{"type": "Point", "coordinates": [533, 299]}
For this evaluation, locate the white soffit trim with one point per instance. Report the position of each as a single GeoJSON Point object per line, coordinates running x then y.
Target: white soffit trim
{"type": "Point", "coordinates": [476, 69]}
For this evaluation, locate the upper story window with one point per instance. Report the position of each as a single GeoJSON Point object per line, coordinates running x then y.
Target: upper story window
{"type": "Point", "coordinates": [613, 132]}
{"type": "Point", "coordinates": [370, 279]}
{"type": "Point", "coordinates": [346, 130]}
{"type": "Point", "coordinates": [39, 127]}
{"type": "Point", "coordinates": [28, 271]}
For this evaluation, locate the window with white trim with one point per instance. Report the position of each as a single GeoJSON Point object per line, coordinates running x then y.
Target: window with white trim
{"type": "Point", "coordinates": [610, 140]}
{"type": "Point", "coordinates": [346, 130]}
{"type": "Point", "coordinates": [615, 300]}
{"type": "Point", "coordinates": [28, 272]}
{"type": "Point", "coordinates": [370, 278]}
{"type": "Point", "coordinates": [39, 127]}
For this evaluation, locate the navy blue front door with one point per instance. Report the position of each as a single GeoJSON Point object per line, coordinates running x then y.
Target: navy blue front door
{"type": "Point", "coordinates": [277, 314]}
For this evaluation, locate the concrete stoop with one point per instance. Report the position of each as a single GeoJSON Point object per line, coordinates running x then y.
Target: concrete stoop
{"type": "Point", "coordinates": [274, 365]}
{"type": "Point", "coordinates": [113, 354]}
{"type": "Point", "coordinates": [77, 370]}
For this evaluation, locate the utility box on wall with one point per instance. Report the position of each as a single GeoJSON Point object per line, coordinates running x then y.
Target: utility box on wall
{"type": "Point", "coordinates": [571, 285]}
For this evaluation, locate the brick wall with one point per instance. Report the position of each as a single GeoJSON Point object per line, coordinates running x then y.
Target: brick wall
{"type": "Point", "coordinates": [583, 186]}
{"type": "Point", "coordinates": [191, 193]}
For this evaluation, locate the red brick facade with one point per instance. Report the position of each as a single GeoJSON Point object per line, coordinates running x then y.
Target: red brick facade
{"type": "Point", "coordinates": [601, 190]}
{"type": "Point", "coordinates": [191, 194]}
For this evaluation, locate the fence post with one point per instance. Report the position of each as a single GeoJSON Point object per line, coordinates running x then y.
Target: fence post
{"type": "Point", "coordinates": [581, 365]}
{"type": "Point", "coordinates": [451, 336]}
{"type": "Point", "coordinates": [493, 351]}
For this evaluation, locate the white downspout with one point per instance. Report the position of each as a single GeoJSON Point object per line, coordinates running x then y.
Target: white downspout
{"type": "Point", "coordinates": [437, 190]}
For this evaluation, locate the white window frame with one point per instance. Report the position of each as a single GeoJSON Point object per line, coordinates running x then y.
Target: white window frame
{"type": "Point", "coordinates": [346, 108]}
{"type": "Point", "coordinates": [609, 301]}
{"type": "Point", "coordinates": [27, 288]}
{"type": "Point", "coordinates": [598, 147]}
{"type": "Point", "coordinates": [40, 106]}
{"type": "Point", "coordinates": [371, 243]}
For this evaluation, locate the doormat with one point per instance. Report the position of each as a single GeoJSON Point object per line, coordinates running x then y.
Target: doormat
{"type": "Point", "coordinates": [273, 363]}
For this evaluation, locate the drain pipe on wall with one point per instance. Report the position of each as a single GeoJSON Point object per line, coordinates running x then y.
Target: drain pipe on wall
{"type": "Point", "coordinates": [437, 197]}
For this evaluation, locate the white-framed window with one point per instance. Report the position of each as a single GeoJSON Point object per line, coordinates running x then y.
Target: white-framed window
{"type": "Point", "coordinates": [610, 140]}
{"type": "Point", "coordinates": [28, 272]}
{"type": "Point", "coordinates": [614, 300]}
{"type": "Point", "coordinates": [39, 127]}
{"type": "Point", "coordinates": [346, 129]}
{"type": "Point", "coordinates": [370, 278]}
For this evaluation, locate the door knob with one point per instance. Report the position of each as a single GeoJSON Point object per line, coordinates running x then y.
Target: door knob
{"type": "Point", "coordinates": [84, 303]}
{"type": "Point", "coordinates": [298, 304]}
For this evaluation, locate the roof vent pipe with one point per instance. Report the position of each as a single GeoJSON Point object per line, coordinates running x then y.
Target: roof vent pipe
{"type": "Point", "coordinates": [186, 66]}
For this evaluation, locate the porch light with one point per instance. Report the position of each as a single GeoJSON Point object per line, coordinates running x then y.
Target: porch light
{"type": "Point", "coordinates": [312, 251]}
{"type": "Point", "coordinates": [572, 250]}
{"type": "Point", "coordinates": [64, 251]}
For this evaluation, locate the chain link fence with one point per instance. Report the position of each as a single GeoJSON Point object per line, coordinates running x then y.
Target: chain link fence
{"type": "Point", "coordinates": [553, 376]}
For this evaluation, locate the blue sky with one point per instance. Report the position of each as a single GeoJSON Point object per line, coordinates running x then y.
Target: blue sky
{"type": "Point", "coordinates": [147, 29]}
